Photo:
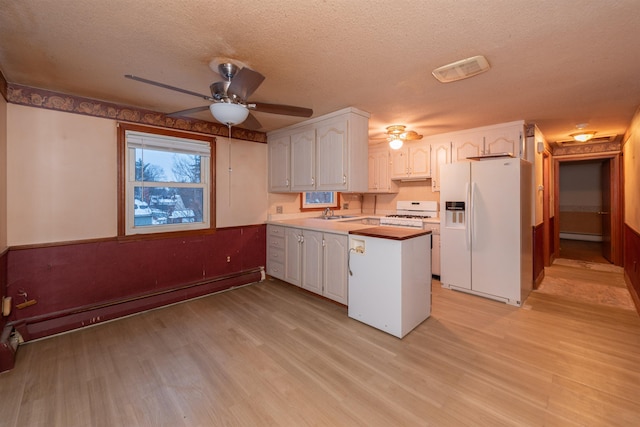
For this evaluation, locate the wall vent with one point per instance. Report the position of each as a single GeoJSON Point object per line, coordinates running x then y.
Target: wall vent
{"type": "Point", "coordinates": [462, 69]}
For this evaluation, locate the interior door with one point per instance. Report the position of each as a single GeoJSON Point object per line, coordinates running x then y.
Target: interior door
{"type": "Point", "coordinates": [605, 213]}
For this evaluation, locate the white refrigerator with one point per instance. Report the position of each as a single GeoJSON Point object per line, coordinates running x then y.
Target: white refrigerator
{"type": "Point", "coordinates": [486, 228]}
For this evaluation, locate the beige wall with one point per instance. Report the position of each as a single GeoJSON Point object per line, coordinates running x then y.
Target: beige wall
{"type": "Point", "coordinates": [3, 174]}
{"type": "Point", "coordinates": [631, 156]}
{"type": "Point", "coordinates": [242, 197]}
{"type": "Point", "coordinates": [62, 178]}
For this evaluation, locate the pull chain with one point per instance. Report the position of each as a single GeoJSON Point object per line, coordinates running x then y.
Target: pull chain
{"type": "Point", "coordinates": [230, 170]}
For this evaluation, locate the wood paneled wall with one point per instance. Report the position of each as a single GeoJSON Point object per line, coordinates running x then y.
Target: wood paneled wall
{"type": "Point", "coordinates": [581, 223]}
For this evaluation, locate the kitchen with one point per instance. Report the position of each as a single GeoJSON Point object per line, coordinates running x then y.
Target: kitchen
{"type": "Point", "coordinates": [416, 166]}
{"type": "Point", "coordinates": [61, 262]}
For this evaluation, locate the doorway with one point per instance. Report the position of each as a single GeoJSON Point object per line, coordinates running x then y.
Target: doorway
{"type": "Point", "coordinates": [587, 216]}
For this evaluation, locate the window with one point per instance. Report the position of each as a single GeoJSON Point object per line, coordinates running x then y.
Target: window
{"type": "Point", "coordinates": [314, 200]}
{"type": "Point", "coordinates": [166, 181]}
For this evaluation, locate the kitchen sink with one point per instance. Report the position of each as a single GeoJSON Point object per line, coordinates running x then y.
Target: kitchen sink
{"type": "Point", "coordinates": [338, 217]}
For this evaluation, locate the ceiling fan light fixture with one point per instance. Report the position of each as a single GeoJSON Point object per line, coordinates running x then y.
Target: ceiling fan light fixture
{"type": "Point", "coordinates": [583, 136]}
{"type": "Point", "coordinates": [228, 113]}
{"type": "Point", "coordinates": [395, 143]}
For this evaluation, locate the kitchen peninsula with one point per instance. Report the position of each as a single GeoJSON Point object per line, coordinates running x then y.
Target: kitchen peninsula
{"type": "Point", "coordinates": [316, 253]}
{"type": "Point", "coordinates": [390, 278]}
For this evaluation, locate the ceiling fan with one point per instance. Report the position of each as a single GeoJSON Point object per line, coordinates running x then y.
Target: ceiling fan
{"type": "Point", "coordinates": [228, 98]}
{"type": "Point", "coordinates": [396, 135]}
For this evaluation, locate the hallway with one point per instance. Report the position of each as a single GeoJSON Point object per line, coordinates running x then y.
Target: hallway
{"type": "Point", "coordinates": [578, 281]}
{"type": "Point", "coordinates": [582, 250]}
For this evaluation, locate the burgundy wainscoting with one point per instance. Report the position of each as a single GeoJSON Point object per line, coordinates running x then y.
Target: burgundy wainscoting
{"type": "Point", "coordinates": [80, 284]}
{"type": "Point", "coordinates": [7, 352]}
{"type": "Point", "coordinates": [632, 263]}
{"type": "Point", "coordinates": [538, 255]}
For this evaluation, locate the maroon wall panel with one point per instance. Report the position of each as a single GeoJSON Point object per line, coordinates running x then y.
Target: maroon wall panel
{"type": "Point", "coordinates": [3, 283]}
{"type": "Point", "coordinates": [632, 262]}
{"type": "Point", "coordinates": [64, 279]}
{"type": "Point", "coordinates": [538, 254]}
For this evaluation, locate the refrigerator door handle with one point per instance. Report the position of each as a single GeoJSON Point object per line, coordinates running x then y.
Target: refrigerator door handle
{"type": "Point", "coordinates": [472, 213]}
{"type": "Point", "coordinates": [467, 233]}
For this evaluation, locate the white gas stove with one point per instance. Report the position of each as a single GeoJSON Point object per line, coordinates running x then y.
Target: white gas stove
{"type": "Point", "coordinates": [411, 214]}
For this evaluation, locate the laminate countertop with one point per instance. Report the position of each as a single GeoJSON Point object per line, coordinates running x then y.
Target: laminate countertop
{"type": "Point", "coordinates": [391, 233]}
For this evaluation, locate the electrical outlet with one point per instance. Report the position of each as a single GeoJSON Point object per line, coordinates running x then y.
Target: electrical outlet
{"type": "Point", "coordinates": [345, 206]}
{"type": "Point", "coordinates": [228, 259]}
{"type": "Point", "coordinates": [278, 209]}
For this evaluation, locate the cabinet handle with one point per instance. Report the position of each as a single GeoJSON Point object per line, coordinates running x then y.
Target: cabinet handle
{"type": "Point", "coordinates": [313, 181]}
{"type": "Point", "coordinates": [344, 179]}
{"type": "Point", "coordinates": [287, 182]}
{"type": "Point", "coordinates": [301, 239]}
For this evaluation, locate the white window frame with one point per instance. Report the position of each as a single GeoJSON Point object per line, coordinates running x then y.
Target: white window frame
{"type": "Point", "coordinates": [136, 139]}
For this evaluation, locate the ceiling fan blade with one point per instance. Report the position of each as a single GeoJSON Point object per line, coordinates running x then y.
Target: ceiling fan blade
{"type": "Point", "coordinates": [287, 110]}
{"type": "Point", "coordinates": [166, 86]}
{"type": "Point", "coordinates": [188, 111]}
{"type": "Point", "coordinates": [245, 82]}
{"type": "Point", "coordinates": [251, 123]}
{"type": "Point", "coordinates": [412, 136]}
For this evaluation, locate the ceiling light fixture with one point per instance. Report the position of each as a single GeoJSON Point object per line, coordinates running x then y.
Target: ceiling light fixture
{"type": "Point", "coordinates": [396, 135]}
{"type": "Point", "coordinates": [229, 113]}
{"type": "Point", "coordinates": [583, 136]}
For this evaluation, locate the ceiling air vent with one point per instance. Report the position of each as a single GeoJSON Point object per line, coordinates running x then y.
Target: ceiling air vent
{"type": "Point", "coordinates": [461, 69]}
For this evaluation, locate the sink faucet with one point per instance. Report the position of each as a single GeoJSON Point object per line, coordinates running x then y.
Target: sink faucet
{"type": "Point", "coordinates": [327, 212]}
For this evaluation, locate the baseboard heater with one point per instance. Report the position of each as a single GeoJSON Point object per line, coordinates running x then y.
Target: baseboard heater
{"type": "Point", "coordinates": [65, 320]}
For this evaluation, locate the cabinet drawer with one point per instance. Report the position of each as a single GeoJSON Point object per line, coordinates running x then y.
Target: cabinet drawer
{"type": "Point", "coordinates": [275, 269]}
{"type": "Point", "coordinates": [275, 254]}
{"type": "Point", "coordinates": [275, 242]}
{"type": "Point", "coordinates": [275, 230]}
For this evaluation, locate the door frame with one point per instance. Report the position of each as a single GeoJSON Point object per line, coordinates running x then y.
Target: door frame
{"type": "Point", "coordinates": [615, 162]}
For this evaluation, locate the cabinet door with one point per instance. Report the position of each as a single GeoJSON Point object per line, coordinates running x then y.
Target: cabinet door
{"type": "Point", "coordinates": [379, 176]}
{"type": "Point", "coordinates": [400, 163]}
{"type": "Point", "coordinates": [312, 261]}
{"type": "Point", "coordinates": [303, 160]}
{"type": "Point", "coordinates": [504, 140]}
{"type": "Point", "coordinates": [420, 161]}
{"type": "Point", "coordinates": [470, 145]}
{"type": "Point", "coordinates": [335, 269]}
{"type": "Point", "coordinates": [293, 254]}
{"type": "Point", "coordinates": [372, 161]}
{"type": "Point", "coordinates": [331, 151]}
{"type": "Point", "coordinates": [279, 164]}
{"type": "Point", "coordinates": [440, 155]}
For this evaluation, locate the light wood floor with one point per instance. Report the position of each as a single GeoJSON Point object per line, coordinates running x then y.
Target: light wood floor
{"type": "Point", "coordinates": [269, 354]}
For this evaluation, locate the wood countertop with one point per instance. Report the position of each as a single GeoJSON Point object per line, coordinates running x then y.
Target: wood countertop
{"type": "Point", "coordinates": [392, 233]}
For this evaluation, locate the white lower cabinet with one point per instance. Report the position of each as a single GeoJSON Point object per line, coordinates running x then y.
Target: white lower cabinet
{"type": "Point", "coordinates": [275, 251]}
{"type": "Point", "coordinates": [314, 260]}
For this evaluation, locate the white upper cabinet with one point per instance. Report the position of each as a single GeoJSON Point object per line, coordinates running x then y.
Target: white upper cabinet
{"type": "Point", "coordinates": [327, 153]}
{"type": "Point", "coordinates": [379, 168]}
{"type": "Point", "coordinates": [280, 163]}
{"type": "Point", "coordinates": [507, 139]}
{"type": "Point", "coordinates": [467, 145]}
{"type": "Point", "coordinates": [332, 150]}
{"type": "Point", "coordinates": [412, 161]}
{"type": "Point", "coordinates": [484, 141]}
{"type": "Point", "coordinates": [303, 166]}
{"type": "Point", "coordinates": [440, 155]}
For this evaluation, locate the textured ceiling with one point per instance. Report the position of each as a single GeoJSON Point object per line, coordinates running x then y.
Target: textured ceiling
{"type": "Point", "coordinates": [554, 63]}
